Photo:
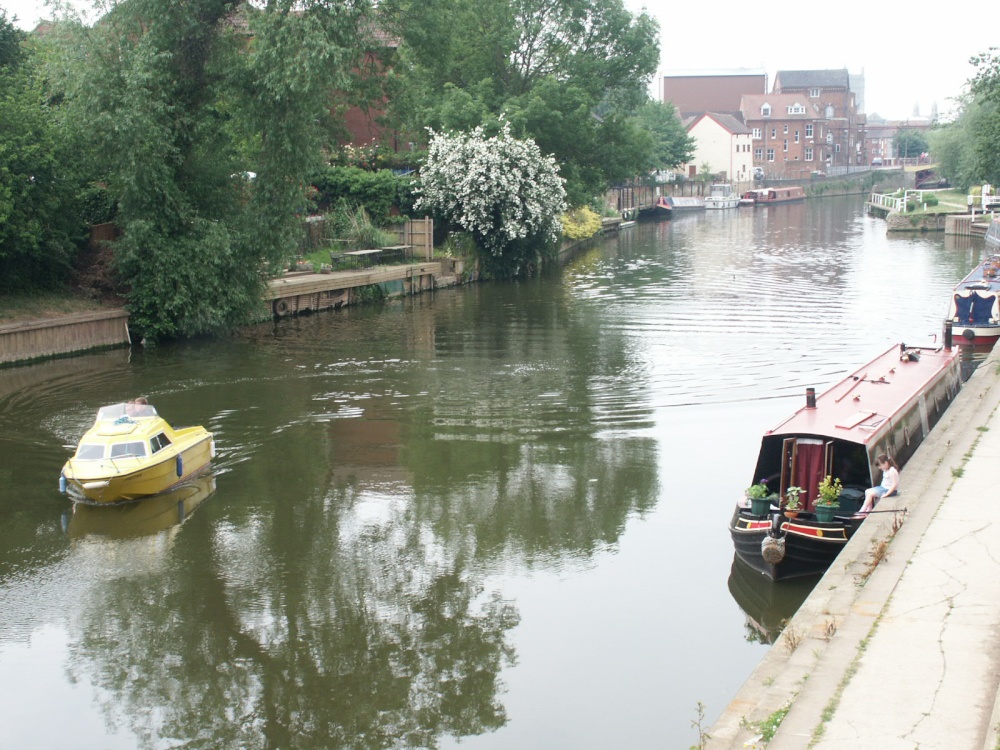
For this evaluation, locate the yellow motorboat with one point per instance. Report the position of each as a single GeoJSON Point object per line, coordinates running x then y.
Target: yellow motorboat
{"type": "Point", "coordinates": [131, 453]}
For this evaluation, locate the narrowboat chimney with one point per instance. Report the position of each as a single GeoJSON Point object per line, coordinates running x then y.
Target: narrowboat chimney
{"type": "Point", "coordinates": [810, 398]}
{"type": "Point", "coordinates": [947, 335]}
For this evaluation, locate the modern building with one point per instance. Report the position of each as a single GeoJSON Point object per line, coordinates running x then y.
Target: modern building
{"type": "Point", "coordinates": [694, 92]}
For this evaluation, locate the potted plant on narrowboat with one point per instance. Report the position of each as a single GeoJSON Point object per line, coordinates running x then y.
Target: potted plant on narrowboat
{"type": "Point", "coordinates": [828, 501]}
{"type": "Point", "coordinates": [792, 503]}
{"type": "Point", "coordinates": [760, 498]}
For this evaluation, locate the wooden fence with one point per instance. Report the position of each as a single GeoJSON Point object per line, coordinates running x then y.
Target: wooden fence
{"type": "Point", "coordinates": [418, 234]}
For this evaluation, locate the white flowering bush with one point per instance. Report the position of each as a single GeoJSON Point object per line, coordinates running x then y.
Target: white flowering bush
{"type": "Point", "coordinates": [500, 189]}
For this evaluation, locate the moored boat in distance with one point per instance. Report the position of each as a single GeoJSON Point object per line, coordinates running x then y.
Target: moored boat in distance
{"type": "Point", "coordinates": [974, 310]}
{"type": "Point", "coordinates": [671, 204]}
{"type": "Point", "coordinates": [721, 195]}
{"type": "Point", "coordinates": [131, 453]}
{"type": "Point", "coordinates": [773, 196]}
{"type": "Point", "coordinates": [886, 406]}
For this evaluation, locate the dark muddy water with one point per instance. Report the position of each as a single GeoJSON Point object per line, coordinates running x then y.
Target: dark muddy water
{"type": "Point", "coordinates": [493, 516]}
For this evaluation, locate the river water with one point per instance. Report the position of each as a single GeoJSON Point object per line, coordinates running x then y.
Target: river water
{"type": "Point", "coordinates": [494, 516]}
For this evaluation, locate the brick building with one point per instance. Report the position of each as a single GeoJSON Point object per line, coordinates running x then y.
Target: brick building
{"type": "Point", "coordinates": [842, 123]}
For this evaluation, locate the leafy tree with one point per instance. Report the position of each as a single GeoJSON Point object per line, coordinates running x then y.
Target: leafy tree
{"type": "Point", "coordinates": [909, 144]}
{"type": "Point", "coordinates": [39, 227]}
{"type": "Point", "coordinates": [569, 74]}
{"type": "Point", "coordinates": [672, 145]}
{"type": "Point", "coordinates": [957, 146]}
{"type": "Point", "coordinates": [985, 117]}
{"type": "Point", "coordinates": [180, 100]}
{"type": "Point", "coordinates": [500, 189]}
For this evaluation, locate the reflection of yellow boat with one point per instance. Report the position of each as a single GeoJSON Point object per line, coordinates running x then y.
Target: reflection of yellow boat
{"type": "Point", "coordinates": [154, 514]}
{"type": "Point", "coordinates": [131, 453]}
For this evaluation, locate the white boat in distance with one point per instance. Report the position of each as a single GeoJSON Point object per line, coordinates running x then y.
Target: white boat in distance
{"type": "Point", "coordinates": [721, 195]}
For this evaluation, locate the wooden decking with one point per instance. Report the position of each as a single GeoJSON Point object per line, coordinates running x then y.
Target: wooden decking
{"type": "Point", "coordinates": [298, 292]}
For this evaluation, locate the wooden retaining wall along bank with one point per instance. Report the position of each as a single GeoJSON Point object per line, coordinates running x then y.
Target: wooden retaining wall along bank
{"type": "Point", "coordinates": [64, 335]}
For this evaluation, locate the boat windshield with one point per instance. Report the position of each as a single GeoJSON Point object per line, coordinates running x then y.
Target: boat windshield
{"type": "Point", "coordinates": [130, 409]}
{"type": "Point", "coordinates": [90, 452]}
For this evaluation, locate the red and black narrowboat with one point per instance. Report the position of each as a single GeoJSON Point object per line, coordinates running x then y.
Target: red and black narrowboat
{"type": "Point", "coordinates": [886, 406]}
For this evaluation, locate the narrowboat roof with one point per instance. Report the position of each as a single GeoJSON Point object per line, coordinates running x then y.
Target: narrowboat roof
{"type": "Point", "coordinates": [855, 408]}
{"type": "Point", "coordinates": [984, 278]}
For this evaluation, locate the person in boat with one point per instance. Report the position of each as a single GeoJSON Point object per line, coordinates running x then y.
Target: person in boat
{"type": "Point", "coordinates": [888, 487]}
{"type": "Point", "coordinates": [138, 407]}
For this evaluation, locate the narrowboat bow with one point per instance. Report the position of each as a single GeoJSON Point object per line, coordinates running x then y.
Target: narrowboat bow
{"type": "Point", "coordinates": [131, 453]}
{"type": "Point", "coordinates": [887, 406]}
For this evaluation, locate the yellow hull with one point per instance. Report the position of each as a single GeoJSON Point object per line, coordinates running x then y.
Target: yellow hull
{"type": "Point", "coordinates": [125, 479]}
{"type": "Point", "coordinates": [152, 515]}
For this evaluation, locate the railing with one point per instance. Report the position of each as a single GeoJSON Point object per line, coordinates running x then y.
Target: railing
{"type": "Point", "coordinates": [892, 203]}
{"type": "Point", "coordinates": [888, 202]}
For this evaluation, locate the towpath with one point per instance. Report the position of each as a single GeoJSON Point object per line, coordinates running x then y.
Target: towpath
{"type": "Point", "coordinates": [898, 646]}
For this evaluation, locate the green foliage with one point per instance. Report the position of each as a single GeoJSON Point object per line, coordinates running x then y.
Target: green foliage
{"type": "Point", "coordinates": [361, 233]}
{"type": "Point", "coordinates": [580, 223]}
{"type": "Point", "coordinates": [568, 74]}
{"type": "Point", "coordinates": [671, 144]}
{"type": "Point", "coordinates": [175, 105]}
{"type": "Point", "coordinates": [829, 491]}
{"type": "Point", "coordinates": [40, 227]}
{"type": "Point", "coordinates": [909, 144]}
{"type": "Point", "coordinates": [379, 192]}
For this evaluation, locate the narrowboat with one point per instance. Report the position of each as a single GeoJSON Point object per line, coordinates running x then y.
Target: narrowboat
{"type": "Point", "coordinates": [722, 196]}
{"type": "Point", "coordinates": [886, 406]}
{"type": "Point", "coordinates": [775, 195]}
{"type": "Point", "coordinates": [974, 310]}
{"type": "Point", "coordinates": [131, 453]}
{"type": "Point", "coordinates": [668, 205]}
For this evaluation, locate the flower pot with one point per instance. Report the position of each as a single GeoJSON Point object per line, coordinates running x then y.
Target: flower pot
{"type": "Point", "coordinates": [824, 513]}
{"type": "Point", "coordinates": [791, 514]}
{"type": "Point", "coordinates": [760, 506]}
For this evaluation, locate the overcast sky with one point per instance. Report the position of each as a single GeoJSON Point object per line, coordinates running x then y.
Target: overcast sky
{"type": "Point", "coordinates": [910, 54]}
{"type": "Point", "coordinates": [909, 57]}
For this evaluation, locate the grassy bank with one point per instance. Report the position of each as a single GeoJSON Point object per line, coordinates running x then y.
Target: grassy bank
{"type": "Point", "coordinates": [17, 308]}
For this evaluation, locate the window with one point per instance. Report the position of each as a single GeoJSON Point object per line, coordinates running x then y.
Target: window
{"type": "Point", "coordinates": [786, 128]}
{"type": "Point", "coordinates": [813, 93]}
{"type": "Point", "coordinates": [765, 110]}
{"type": "Point", "coordinates": [756, 134]}
{"type": "Point", "coordinates": [836, 148]}
{"type": "Point", "coordinates": [774, 132]}
{"type": "Point", "coordinates": [796, 136]}
{"type": "Point", "coordinates": [128, 450]}
{"type": "Point", "coordinates": [784, 145]}
{"type": "Point", "coordinates": [809, 153]}
{"type": "Point", "coordinates": [758, 154]}
{"type": "Point", "coordinates": [770, 154]}
{"type": "Point", "coordinates": [796, 109]}
{"type": "Point", "coordinates": [159, 442]}
{"type": "Point", "coordinates": [90, 452]}
{"type": "Point", "coordinates": [809, 131]}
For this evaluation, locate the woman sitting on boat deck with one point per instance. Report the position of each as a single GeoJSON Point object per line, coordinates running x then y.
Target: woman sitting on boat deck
{"type": "Point", "coordinates": [889, 485]}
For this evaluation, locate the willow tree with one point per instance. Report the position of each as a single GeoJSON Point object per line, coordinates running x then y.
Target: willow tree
{"type": "Point", "coordinates": [204, 119]}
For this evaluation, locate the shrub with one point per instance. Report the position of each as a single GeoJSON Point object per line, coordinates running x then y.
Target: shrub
{"type": "Point", "coordinates": [500, 189]}
{"type": "Point", "coordinates": [580, 223]}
